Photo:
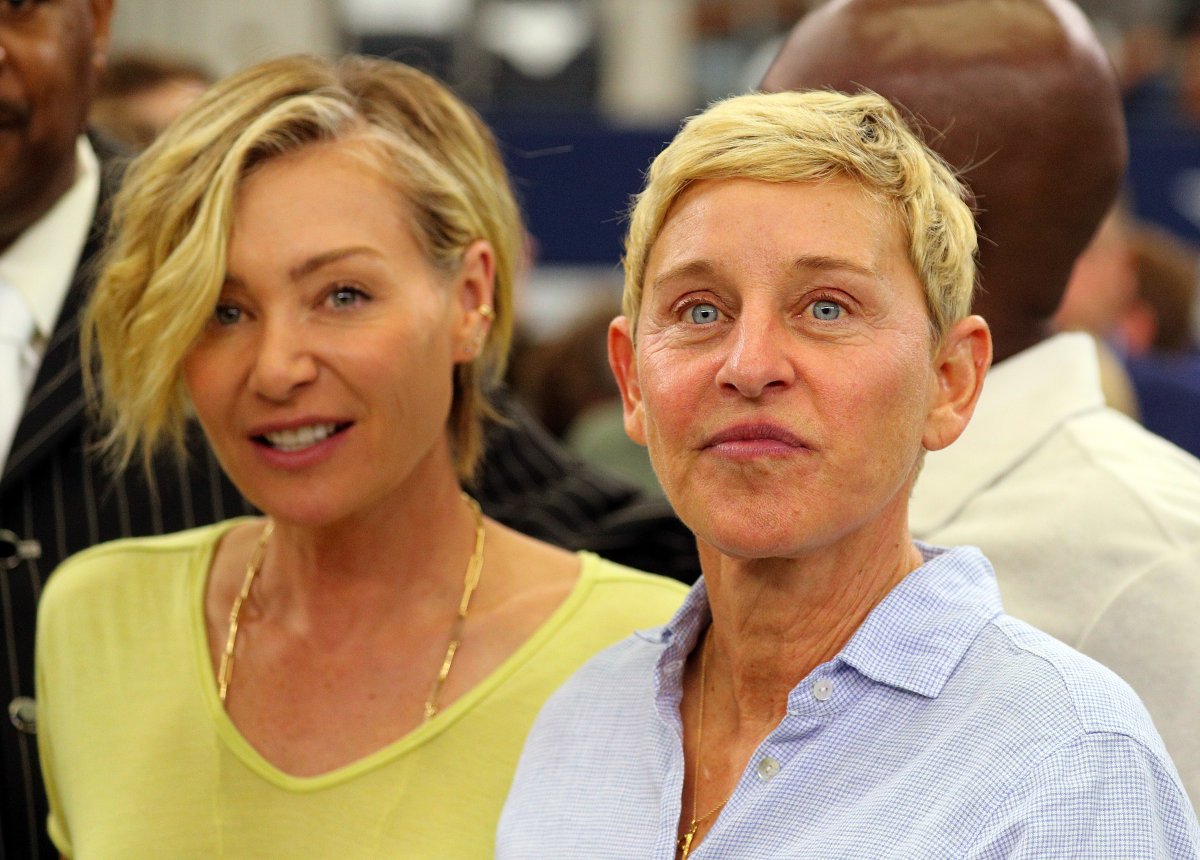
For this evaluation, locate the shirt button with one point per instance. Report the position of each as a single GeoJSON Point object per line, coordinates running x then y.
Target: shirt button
{"type": "Point", "coordinates": [23, 713]}
{"type": "Point", "coordinates": [768, 768]}
{"type": "Point", "coordinates": [822, 690]}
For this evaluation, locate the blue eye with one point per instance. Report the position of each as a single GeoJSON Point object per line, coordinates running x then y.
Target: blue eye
{"type": "Point", "coordinates": [345, 297]}
{"type": "Point", "coordinates": [227, 315]}
{"type": "Point", "coordinates": [703, 313]}
{"type": "Point", "coordinates": [826, 310]}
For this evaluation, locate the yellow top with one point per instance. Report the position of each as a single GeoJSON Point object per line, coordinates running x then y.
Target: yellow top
{"type": "Point", "coordinates": [140, 759]}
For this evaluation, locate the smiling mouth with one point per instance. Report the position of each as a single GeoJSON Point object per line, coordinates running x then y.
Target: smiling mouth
{"type": "Point", "coordinates": [299, 438]}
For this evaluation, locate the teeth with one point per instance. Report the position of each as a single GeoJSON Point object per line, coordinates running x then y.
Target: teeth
{"type": "Point", "coordinates": [301, 437]}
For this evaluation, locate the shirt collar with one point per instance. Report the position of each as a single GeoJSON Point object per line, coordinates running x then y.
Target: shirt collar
{"type": "Point", "coordinates": [1025, 398]}
{"type": "Point", "coordinates": [916, 637]}
{"type": "Point", "coordinates": [913, 640]}
{"type": "Point", "coordinates": [41, 263]}
{"type": "Point", "coordinates": [678, 637]}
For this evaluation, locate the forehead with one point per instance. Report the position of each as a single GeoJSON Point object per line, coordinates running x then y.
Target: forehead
{"type": "Point", "coordinates": [758, 226]}
{"type": "Point", "coordinates": [68, 25]}
{"type": "Point", "coordinates": [321, 196]}
{"type": "Point", "coordinates": [349, 170]}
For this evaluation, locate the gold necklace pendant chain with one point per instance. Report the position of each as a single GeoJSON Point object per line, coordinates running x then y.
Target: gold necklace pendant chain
{"type": "Point", "coordinates": [225, 672]}
{"type": "Point", "coordinates": [685, 841]}
{"type": "Point", "coordinates": [470, 583]}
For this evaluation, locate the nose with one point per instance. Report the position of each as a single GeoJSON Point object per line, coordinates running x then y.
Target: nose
{"type": "Point", "coordinates": [758, 359]}
{"type": "Point", "coordinates": [284, 361]}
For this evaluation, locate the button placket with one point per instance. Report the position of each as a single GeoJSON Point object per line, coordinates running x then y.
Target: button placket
{"type": "Point", "coordinates": [768, 768]}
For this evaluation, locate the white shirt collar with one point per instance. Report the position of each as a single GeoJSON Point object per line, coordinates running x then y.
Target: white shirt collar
{"type": "Point", "coordinates": [1025, 398]}
{"type": "Point", "coordinates": [42, 261]}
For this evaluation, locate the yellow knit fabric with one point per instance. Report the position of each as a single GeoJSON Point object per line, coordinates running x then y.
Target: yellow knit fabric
{"type": "Point", "coordinates": [140, 759]}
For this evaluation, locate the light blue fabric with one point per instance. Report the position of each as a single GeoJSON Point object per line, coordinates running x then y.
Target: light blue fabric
{"type": "Point", "coordinates": [943, 729]}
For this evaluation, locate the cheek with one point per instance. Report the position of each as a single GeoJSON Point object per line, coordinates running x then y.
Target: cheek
{"type": "Point", "coordinates": [673, 388]}
{"type": "Point", "coordinates": [886, 403]}
{"type": "Point", "coordinates": [205, 377]}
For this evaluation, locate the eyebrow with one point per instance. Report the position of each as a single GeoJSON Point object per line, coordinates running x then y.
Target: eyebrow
{"type": "Point", "coordinates": [825, 263]}
{"type": "Point", "coordinates": [312, 264]}
{"type": "Point", "coordinates": [706, 268]}
{"type": "Point", "coordinates": [320, 260]}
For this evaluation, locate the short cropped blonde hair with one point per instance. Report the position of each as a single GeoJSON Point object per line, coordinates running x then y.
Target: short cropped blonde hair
{"type": "Point", "coordinates": [809, 137]}
{"type": "Point", "coordinates": [168, 243]}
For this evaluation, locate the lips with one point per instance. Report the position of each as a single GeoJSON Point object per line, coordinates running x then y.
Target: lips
{"type": "Point", "coordinates": [755, 442]}
{"type": "Point", "coordinates": [752, 433]}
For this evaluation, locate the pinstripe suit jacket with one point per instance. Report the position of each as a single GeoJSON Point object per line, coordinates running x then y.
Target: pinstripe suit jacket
{"type": "Point", "coordinates": [51, 491]}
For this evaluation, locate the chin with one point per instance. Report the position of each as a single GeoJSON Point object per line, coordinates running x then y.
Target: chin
{"type": "Point", "coordinates": [749, 547]}
{"type": "Point", "coordinates": [311, 509]}
{"type": "Point", "coordinates": [751, 535]}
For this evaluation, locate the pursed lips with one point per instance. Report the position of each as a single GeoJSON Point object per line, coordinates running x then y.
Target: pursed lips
{"type": "Point", "coordinates": [758, 437]}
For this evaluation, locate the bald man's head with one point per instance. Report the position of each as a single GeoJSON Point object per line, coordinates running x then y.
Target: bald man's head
{"type": "Point", "coordinates": [1016, 94]}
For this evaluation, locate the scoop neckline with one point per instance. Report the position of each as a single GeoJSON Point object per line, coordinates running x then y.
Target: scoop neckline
{"type": "Point", "coordinates": [232, 738]}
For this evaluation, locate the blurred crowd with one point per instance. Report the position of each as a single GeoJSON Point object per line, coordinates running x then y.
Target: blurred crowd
{"type": "Point", "coordinates": [1135, 287]}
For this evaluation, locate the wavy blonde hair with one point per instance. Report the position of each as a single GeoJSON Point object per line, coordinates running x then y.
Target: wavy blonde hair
{"type": "Point", "coordinates": [168, 243]}
{"type": "Point", "coordinates": [809, 137]}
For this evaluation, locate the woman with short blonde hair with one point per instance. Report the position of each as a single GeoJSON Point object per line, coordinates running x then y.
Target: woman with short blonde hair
{"type": "Point", "coordinates": [798, 285]}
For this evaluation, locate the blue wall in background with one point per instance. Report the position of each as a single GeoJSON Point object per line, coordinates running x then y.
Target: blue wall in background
{"type": "Point", "coordinates": [574, 177]}
{"type": "Point", "coordinates": [1164, 177]}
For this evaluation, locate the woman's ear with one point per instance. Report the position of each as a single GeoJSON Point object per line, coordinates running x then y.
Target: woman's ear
{"type": "Point", "coordinates": [475, 290]}
{"type": "Point", "coordinates": [622, 358]}
{"type": "Point", "coordinates": [960, 365]}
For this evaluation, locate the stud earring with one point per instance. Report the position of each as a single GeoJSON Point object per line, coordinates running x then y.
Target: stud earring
{"type": "Point", "coordinates": [487, 312]}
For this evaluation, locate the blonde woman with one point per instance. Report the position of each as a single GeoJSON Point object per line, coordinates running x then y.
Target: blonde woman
{"type": "Point", "coordinates": [797, 334]}
{"type": "Point", "coordinates": [317, 260]}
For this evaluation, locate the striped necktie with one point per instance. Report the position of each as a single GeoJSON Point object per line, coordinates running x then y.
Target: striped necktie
{"type": "Point", "coordinates": [17, 360]}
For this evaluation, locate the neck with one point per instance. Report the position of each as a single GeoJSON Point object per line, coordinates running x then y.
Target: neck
{"type": "Point", "coordinates": [775, 620]}
{"type": "Point", "coordinates": [23, 207]}
{"type": "Point", "coordinates": [327, 579]}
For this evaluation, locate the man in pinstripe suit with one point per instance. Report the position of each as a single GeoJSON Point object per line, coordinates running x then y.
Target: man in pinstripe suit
{"type": "Point", "coordinates": [55, 499]}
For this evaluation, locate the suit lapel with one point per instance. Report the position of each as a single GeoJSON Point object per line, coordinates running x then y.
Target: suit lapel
{"type": "Point", "coordinates": [56, 405]}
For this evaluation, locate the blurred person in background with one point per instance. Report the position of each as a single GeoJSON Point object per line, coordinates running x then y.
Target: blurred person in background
{"type": "Point", "coordinates": [138, 95]}
{"type": "Point", "coordinates": [1134, 288]}
{"type": "Point", "coordinates": [570, 388]}
{"type": "Point", "coordinates": [1102, 298]}
{"type": "Point", "coordinates": [316, 261]}
{"type": "Point", "coordinates": [1166, 373]}
{"type": "Point", "coordinates": [1138, 36]}
{"type": "Point", "coordinates": [1091, 521]}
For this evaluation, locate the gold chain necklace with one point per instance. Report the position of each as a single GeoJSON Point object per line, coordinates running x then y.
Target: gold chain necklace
{"type": "Point", "coordinates": [685, 841]}
{"type": "Point", "coordinates": [470, 583]}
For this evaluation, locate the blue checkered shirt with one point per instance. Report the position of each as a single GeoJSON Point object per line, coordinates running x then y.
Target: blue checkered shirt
{"type": "Point", "coordinates": [943, 728]}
